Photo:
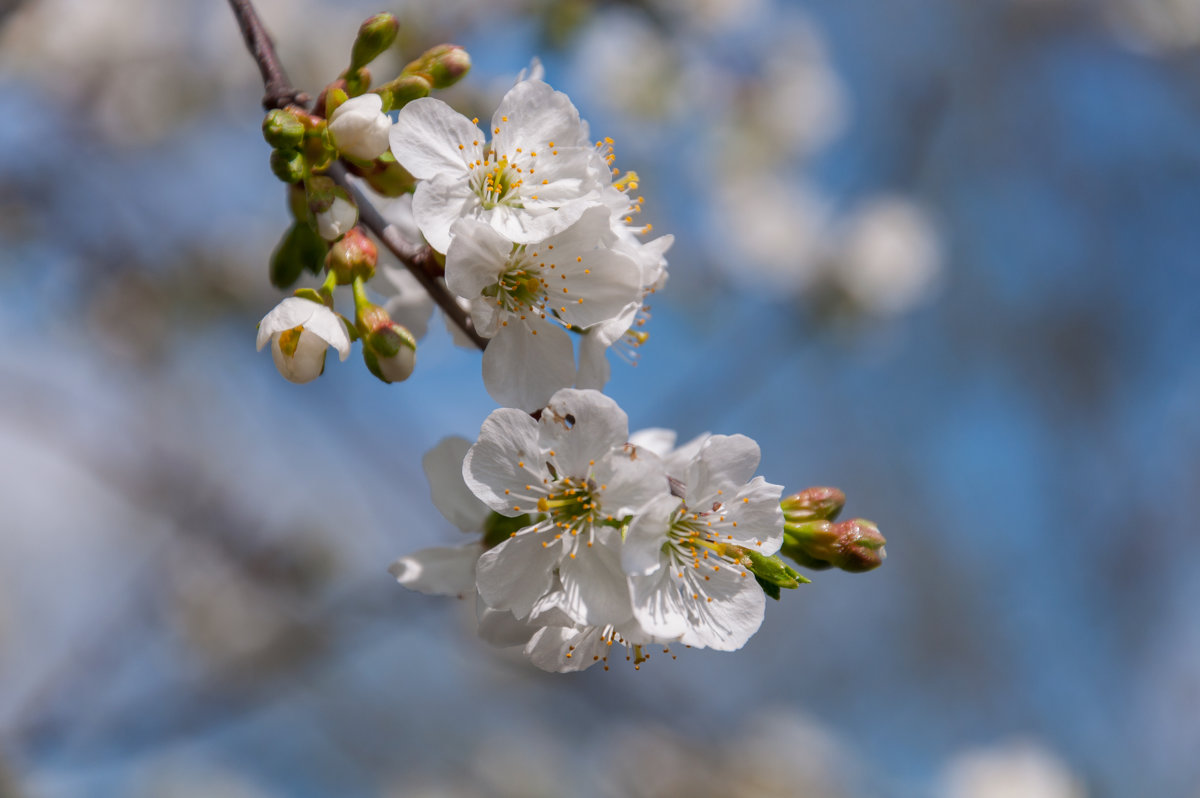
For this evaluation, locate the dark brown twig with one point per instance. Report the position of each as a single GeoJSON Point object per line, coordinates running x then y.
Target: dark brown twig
{"type": "Point", "coordinates": [280, 92]}
{"type": "Point", "coordinates": [419, 260]}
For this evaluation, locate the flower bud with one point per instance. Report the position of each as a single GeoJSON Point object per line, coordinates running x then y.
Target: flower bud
{"type": "Point", "coordinates": [333, 212]}
{"type": "Point", "coordinates": [353, 255]}
{"type": "Point", "coordinates": [282, 130]}
{"type": "Point", "coordinates": [443, 65]}
{"type": "Point", "coordinates": [390, 352]}
{"type": "Point", "coordinates": [299, 249]}
{"type": "Point", "coordinates": [403, 90]}
{"type": "Point", "coordinates": [288, 165]}
{"type": "Point", "coordinates": [375, 36]}
{"type": "Point", "coordinates": [813, 504]}
{"type": "Point", "coordinates": [359, 128]}
{"type": "Point", "coordinates": [299, 332]}
{"type": "Point", "coordinates": [385, 176]}
{"type": "Point", "coordinates": [854, 546]}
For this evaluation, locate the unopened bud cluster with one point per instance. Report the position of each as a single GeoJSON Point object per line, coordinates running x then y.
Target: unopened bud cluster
{"type": "Point", "coordinates": [813, 539]}
{"type": "Point", "coordinates": [349, 122]}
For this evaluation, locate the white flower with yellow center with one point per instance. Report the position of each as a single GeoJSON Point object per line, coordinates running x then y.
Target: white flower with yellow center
{"type": "Point", "coordinates": [685, 557]}
{"type": "Point", "coordinates": [533, 179]}
{"type": "Point", "coordinates": [299, 331]}
{"type": "Point", "coordinates": [572, 469]}
{"type": "Point", "coordinates": [523, 295]}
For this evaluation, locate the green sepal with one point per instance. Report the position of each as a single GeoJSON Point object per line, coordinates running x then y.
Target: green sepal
{"type": "Point", "coordinates": [282, 130]}
{"type": "Point", "coordinates": [310, 294]}
{"type": "Point", "coordinates": [769, 588]}
{"type": "Point", "coordinates": [773, 570]}
{"type": "Point", "coordinates": [499, 528]}
{"type": "Point", "coordinates": [300, 248]}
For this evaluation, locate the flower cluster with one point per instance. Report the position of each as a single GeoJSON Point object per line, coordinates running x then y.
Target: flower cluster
{"type": "Point", "coordinates": [537, 234]}
{"type": "Point", "coordinates": [584, 537]}
{"type": "Point", "coordinates": [589, 537]}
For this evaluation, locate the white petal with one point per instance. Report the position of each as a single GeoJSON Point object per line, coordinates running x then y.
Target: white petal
{"type": "Point", "coordinates": [476, 257]}
{"type": "Point", "coordinates": [307, 361]}
{"type": "Point", "coordinates": [724, 463]}
{"type": "Point", "coordinates": [525, 363]}
{"type": "Point", "coordinates": [500, 627]}
{"type": "Point", "coordinates": [529, 226]}
{"type": "Point", "coordinates": [658, 605]}
{"type": "Point", "coordinates": [631, 478]}
{"type": "Point", "coordinates": [360, 128]}
{"type": "Point", "coordinates": [443, 466]}
{"type": "Point", "coordinates": [336, 220]}
{"type": "Point", "coordinates": [532, 115]}
{"type": "Point", "coordinates": [506, 458]}
{"type": "Point", "coordinates": [659, 440]}
{"type": "Point", "coordinates": [642, 551]}
{"type": "Point", "coordinates": [755, 509]}
{"type": "Point", "coordinates": [567, 649]}
{"type": "Point", "coordinates": [439, 571]}
{"type": "Point", "coordinates": [440, 202]}
{"type": "Point", "coordinates": [427, 136]}
{"type": "Point", "coordinates": [515, 574]}
{"type": "Point", "coordinates": [581, 426]}
{"type": "Point", "coordinates": [593, 369]}
{"type": "Point", "coordinates": [314, 317]}
{"type": "Point", "coordinates": [731, 618]}
{"type": "Point", "coordinates": [678, 461]}
{"type": "Point", "coordinates": [595, 589]}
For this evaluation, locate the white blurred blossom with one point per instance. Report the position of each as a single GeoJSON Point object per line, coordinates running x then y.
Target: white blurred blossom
{"type": "Point", "coordinates": [1016, 768]}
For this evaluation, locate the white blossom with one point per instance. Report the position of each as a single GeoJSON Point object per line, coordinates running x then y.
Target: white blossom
{"type": "Point", "coordinates": [522, 296]}
{"type": "Point", "coordinates": [535, 177]}
{"type": "Point", "coordinates": [299, 331]}
{"type": "Point", "coordinates": [573, 469]}
{"type": "Point", "coordinates": [687, 576]}
{"type": "Point", "coordinates": [359, 127]}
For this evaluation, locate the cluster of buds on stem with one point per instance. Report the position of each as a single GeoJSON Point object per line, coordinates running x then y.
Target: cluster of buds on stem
{"type": "Point", "coordinates": [348, 123]}
{"type": "Point", "coordinates": [813, 539]}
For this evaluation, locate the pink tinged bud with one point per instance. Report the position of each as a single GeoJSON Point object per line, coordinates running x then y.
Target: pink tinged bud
{"type": "Point", "coordinates": [359, 128]}
{"type": "Point", "coordinates": [813, 504]}
{"type": "Point", "coordinates": [446, 65]}
{"type": "Point", "coordinates": [854, 546]}
{"type": "Point", "coordinates": [860, 546]}
{"type": "Point", "coordinates": [354, 255]}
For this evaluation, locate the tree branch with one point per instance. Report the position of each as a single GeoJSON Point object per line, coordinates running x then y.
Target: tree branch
{"type": "Point", "coordinates": [280, 92]}
{"type": "Point", "coordinates": [418, 259]}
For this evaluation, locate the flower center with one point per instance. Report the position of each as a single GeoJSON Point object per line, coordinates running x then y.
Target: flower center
{"type": "Point", "coordinates": [496, 183]}
{"type": "Point", "coordinates": [572, 505]}
{"type": "Point", "coordinates": [520, 286]}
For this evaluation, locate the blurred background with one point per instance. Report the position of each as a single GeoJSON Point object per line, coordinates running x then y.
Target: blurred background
{"type": "Point", "coordinates": [939, 254]}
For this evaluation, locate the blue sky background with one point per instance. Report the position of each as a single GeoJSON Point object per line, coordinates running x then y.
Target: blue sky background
{"type": "Point", "coordinates": [192, 564]}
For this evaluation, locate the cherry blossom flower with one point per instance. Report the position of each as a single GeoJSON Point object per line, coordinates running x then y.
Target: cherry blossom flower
{"type": "Point", "coordinates": [522, 296]}
{"type": "Point", "coordinates": [535, 177]}
{"type": "Point", "coordinates": [687, 573]}
{"type": "Point", "coordinates": [573, 468]}
{"type": "Point", "coordinates": [300, 331]}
